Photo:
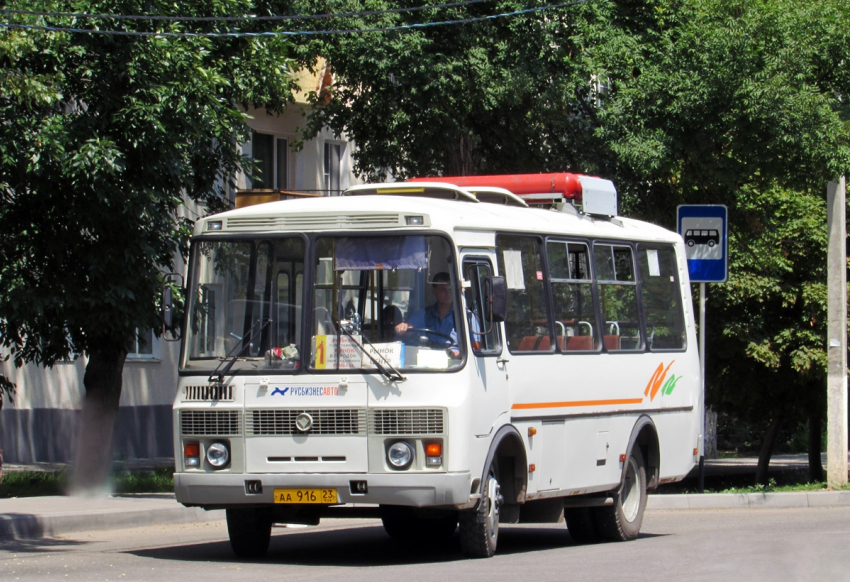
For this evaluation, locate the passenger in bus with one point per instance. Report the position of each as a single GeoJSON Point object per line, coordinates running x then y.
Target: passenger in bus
{"type": "Point", "coordinates": [438, 317]}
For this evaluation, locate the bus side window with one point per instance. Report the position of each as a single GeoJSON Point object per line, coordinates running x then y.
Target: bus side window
{"type": "Point", "coordinates": [617, 286]}
{"type": "Point", "coordinates": [576, 327]}
{"type": "Point", "coordinates": [484, 335]}
{"type": "Point", "coordinates": [527, 325]}
{"type": "Point", "coordinates": [661, 298]}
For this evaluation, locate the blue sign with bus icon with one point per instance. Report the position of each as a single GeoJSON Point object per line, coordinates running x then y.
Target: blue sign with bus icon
{"type": "Point", "coordinates": [704, 228]}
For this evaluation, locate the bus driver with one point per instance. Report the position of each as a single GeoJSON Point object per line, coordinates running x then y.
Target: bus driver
{"type": "Point", "coordinates": [438, 317]}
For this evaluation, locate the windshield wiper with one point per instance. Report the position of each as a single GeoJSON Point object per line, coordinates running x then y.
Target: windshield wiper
{"type": "Point", "coordinates": [217, 376]}
{"type": "Point", "coordinates": [392, 373]}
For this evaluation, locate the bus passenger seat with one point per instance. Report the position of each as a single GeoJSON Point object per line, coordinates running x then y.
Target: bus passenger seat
{"type": "Point", "coordinates": [578, 343]}
{"type": "Point", "coordinates": [529, 343]}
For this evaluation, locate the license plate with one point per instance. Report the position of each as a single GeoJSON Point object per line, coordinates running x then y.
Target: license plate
{"type": "Point", "coordinates": [305, 496]}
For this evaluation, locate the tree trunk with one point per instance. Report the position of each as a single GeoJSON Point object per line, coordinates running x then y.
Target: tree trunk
{"type": "Point", "coordinates": [816, 417]}
{"type": "Point", "coordinates": [767, 451]}
{"type": "Point", "coordinates": [103, 379]}
{"type": "Point", "coordinates": [459, 157]}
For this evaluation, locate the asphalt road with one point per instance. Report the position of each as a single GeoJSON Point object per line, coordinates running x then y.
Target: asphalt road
{"type": "Point", "coordinates": [752, 545]}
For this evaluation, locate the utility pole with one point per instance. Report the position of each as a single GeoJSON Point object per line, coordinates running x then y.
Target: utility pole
{"type": "Point", "coordinates": [836, 383]}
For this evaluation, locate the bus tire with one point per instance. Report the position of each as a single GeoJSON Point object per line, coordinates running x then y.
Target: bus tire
{"type": "Point", "coordinates": [403, 525]}
{"type": "Point", "coordinates": [250, 531]}
{"type": "Point", "coordinates": [581, 525]}
{"type": "Point", "coordinates": [479, 527]}
{"type": "Point", "coordinates": [621, 521]}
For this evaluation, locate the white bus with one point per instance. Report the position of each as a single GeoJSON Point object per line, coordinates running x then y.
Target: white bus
{"type": "Point", "coordinates": [440, 357]}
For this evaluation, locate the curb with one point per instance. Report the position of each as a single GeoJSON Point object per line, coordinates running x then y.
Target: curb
{"type": "Point", "coordinates": [53, 516]}
{"type": "Point", "coordinates": [797, 499]}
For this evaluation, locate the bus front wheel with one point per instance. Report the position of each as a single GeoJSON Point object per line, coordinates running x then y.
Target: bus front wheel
{"type": "Point", "coordinates": [404, 525]}
{"type": "Point", "coordinates": [621, 521]}
{"type": "Point", "coordinates": [479, 528]}
{"type": "Point", "coordinates": [250, 531]}
{"type": "Point", "coordinates": [581, 525]}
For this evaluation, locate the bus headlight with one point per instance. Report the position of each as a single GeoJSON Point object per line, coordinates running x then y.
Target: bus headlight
{"type": "Point", "coordinates": [400, 455]}
{"type": "Point", "coordinates": [218, 455]}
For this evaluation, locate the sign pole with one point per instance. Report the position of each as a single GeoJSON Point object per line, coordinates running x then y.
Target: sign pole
{"type": "Point", "coordinates": [836, 382]}
{"type": "Point", "coordinates": [704, 228]}
{"type": "Point", "coordinates": [702, 385]}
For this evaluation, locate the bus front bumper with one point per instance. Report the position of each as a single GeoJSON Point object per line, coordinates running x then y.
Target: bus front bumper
{"type": "Point", "coordinates": [216, 490]}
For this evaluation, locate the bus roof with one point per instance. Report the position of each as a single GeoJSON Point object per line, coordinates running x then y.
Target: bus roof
{"type": "Point", "coordinates": [388, 212]}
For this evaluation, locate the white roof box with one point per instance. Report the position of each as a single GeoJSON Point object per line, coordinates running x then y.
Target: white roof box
{"type": "Point", "coordinates": [598, 196]}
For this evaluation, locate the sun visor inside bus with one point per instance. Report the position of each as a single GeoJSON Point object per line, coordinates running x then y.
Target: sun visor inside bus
{"type": "Point", "coordinates": [381, 253]}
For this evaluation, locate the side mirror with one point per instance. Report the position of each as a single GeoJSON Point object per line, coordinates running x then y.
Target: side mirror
{"type": "Point", "coordinates": [496, 298]}
{"type": "Point", "coordinates": [170, 331]}
{"type": "Point", "coordinates": [167, 307]}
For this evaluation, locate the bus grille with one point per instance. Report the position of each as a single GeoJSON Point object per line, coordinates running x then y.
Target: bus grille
{"type": "Point", "coordinates": [210, 422]}
{"type": "Point", "coordinates": [398, 422]}
{"type": "Point", "coordinates": [216, 393]}
{"type": "Point", "coordinates": [325, 421]}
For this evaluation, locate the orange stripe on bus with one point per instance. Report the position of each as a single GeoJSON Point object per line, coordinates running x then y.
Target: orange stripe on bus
{"type": "Point", "coordinates": [576, 403]}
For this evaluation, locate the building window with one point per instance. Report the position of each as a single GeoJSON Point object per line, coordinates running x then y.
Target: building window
{"type": "Point", "coordinates": [281, 168]}
{"type": "Point", "coordinates": [262, 150]}
{"type": "Point", "coordinates": [271, 156]}
{"type": "Point", "coordinates": [143, 346]}
{"type": "Point", "coordinates": [333, 155]}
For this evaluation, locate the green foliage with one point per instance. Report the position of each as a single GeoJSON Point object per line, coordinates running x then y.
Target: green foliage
{"type": "Point", "coordinates": [159, 480]}
{"type": "Point", "coordinates": [42, 483]}
{"type": "Point", "coordinates": [32, 483]}
{"type": "Point", "coordinates": [710, 97]}
{"type": "Point", "coordinates": [498, 95]}
{"type": "Point", "coordinates": [101, 137]}
{"type": "Point", "coordinates": [773, 487]}
{"type": "Point", "coordinates": [740, 438]}
{"type": "Point", "coordinates": [772, 309]}
{"type": "Point", "coordinates": [703, 96]}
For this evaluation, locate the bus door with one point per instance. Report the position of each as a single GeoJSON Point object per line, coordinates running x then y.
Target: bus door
{"type": "Point", "coordinates": [490, 392]}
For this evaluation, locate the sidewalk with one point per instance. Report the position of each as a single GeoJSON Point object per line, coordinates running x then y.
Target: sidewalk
{"type": "Point", "coordinates": [44, 517]}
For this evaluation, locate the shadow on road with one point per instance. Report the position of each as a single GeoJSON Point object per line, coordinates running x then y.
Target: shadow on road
{"type": "Point", "coordinates": [363, 547]}
{"type": "Point", "coordinates": [32, 546]}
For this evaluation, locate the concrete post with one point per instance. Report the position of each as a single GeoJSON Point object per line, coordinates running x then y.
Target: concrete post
{"type": "Point", "coordinates": [836, 446]}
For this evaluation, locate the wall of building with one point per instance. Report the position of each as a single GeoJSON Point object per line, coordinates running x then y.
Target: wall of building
{"type": "Point", "coordinates": [40, 425]}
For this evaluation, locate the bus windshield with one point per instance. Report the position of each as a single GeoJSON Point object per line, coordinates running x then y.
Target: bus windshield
{"type": "Point", "coordinates": [384, 301]}
{"type": "Point", "coordinates": [245, 304]}
{"type": "Point", "coordinates": [378, 302]}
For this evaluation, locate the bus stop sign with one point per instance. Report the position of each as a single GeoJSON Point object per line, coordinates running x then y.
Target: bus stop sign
{"type": "Point", "coordinates": [704, 228]}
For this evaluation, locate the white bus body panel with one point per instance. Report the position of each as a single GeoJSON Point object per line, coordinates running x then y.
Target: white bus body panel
{"type": "Point", "coordinates": [582, 407]}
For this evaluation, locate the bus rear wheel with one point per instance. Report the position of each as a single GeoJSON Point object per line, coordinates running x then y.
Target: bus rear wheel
{"type": "Point", "coordinates": [479, 528]}
{"type": "Point", "coordinates": [250, 531]}
{"type": "Point", "coordinates": [621, 521]}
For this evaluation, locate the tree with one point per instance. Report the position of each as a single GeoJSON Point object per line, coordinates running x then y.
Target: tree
{"type": "Point", "coordinates": [101, 138]}
{"type": "Point", "coordinates": [773, 311]}
{"type": "Point", "coordinates": [488, 96]}
{"type": "Point", "coordinates": [694, 101]}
